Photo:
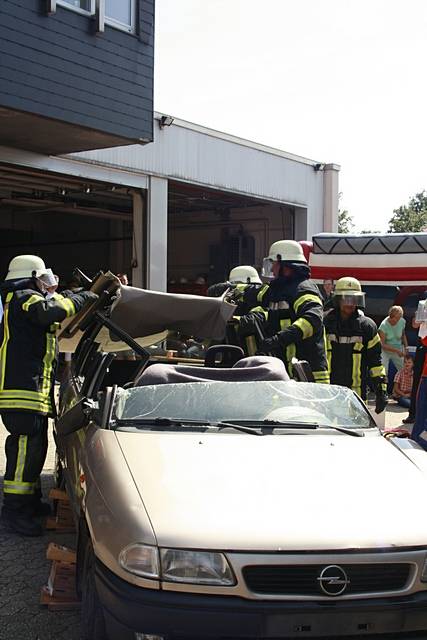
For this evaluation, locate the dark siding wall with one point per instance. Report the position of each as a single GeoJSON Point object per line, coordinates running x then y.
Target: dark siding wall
{"type": "Point", "coordinates": [58, 67]}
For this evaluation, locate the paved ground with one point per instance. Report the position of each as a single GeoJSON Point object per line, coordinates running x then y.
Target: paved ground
{"type": "Point", "coordinates": [24, 569]}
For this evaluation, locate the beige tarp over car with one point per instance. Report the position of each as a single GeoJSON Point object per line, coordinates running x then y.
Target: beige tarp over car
{"type": "Point", "coordinates": [147, 316]}
{"type": "Point", "coordinates": [141, 313]}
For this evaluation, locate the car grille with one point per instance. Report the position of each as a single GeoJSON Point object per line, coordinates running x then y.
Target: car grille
{"type": "Point", "coordinates": [303, 580]}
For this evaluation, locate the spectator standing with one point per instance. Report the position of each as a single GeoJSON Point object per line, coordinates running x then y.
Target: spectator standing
{"type": "Point", "coordinates": [123, 278]}
{"type": "Point", "coordinates": [418, 368]}
{"type": "Point", "coordinates": [393, 339]}
{"type": "Point", "coordinates": [327, 290]}
{"type": "Point", "coordinates": [403, 383]}
{"type": "Point", "coordinates": [327, 293]}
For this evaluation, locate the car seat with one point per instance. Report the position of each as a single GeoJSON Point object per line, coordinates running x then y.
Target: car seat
{"type": "Point", "coordinates": [254, 368]}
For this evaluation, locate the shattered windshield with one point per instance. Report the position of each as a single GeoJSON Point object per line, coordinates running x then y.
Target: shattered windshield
{"type": "Point", "coordinates": [275, 402]}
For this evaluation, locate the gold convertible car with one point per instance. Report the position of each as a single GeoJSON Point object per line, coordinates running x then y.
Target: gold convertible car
{"type": "Point", "coordinates": [234, 503]}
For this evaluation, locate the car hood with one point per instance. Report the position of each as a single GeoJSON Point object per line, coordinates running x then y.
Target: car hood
{"type": "Point", "coordinates": [283, 492]}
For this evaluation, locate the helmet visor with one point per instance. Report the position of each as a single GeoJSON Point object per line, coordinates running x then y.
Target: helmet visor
{"type": "Point", "coordinates": [48, 278]}
{"type": "Point", "coordinates": [356, 299]}
{"type": "Point", "coordinates": [421, 314]}
{"type": "Point", "coordinates": [267, 268]}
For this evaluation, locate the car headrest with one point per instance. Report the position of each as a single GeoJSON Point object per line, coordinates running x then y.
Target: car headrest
{"type": "Point", "coordinates": [251, 369]}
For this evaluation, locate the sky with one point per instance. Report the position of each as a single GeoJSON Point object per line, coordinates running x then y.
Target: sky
{"type": "Point", "coordinates": [340, 81]}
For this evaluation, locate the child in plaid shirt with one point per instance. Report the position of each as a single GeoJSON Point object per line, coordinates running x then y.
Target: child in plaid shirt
{"type": "Point", "coordinates": [403, 383]}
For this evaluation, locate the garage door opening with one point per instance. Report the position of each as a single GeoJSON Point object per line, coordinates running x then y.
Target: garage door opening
{"type": "Point", "coordinates": [66, 221]}
{"type": "Point", "coordinates": [210, 232]}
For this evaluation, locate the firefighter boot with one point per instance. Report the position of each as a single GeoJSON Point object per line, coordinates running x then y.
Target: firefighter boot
{"type": "Point", "coordinates": [42, 509]}
{"type": "Point", "coordinates": [21, 523]}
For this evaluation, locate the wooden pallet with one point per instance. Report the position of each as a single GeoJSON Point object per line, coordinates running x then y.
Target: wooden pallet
{"type": "Point", "coordinates": [59, 594]}
{"type": "Point", "coordinates": [63, 520]}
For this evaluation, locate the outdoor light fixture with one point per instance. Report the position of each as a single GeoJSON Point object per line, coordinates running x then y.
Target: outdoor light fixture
{"type": "Point", "coordinates": [87, 189]}
{"type": "Point", "coordinates": [165, 121]}
{"type": "Point", "coordinates": [319, 166]}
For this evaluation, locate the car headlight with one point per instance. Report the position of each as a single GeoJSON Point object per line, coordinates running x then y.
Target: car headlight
{"type": "Point", "coordinates": [140, 559]}
{"type": "Point", "coordinates": [196, 567]}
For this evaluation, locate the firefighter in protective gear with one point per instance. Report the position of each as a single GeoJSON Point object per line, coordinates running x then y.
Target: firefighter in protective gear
{"type": "Point", "coordinates": [290, 312]}
{"type": "Point", "coordinates": [353, 343]}
{"type": "Point", "coordinates": [239, 278]}
{"type": "Point", "coordinates": [28, 353]}
{"type": "Point", "coordinates": [246, 290]}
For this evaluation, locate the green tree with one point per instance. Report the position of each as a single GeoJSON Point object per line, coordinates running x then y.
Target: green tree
{"type": "Point", "coordinates": [345, 221]}
{"type": "Point", "coordinates": [412, 217]}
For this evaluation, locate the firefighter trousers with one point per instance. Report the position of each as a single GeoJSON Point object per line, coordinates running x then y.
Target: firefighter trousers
{"type": "Point", "coordinates": [26, 449]}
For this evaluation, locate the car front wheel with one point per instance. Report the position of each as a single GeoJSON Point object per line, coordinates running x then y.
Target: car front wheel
{"type": "Point", "coordinates": [92, 615]}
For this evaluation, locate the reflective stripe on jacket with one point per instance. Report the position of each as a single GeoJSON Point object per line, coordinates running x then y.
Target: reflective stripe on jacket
{"type": "Point", "coordinates": [28, 349]}
{"type": "Point", "coordinates": [293, 310]}
{"type": "Point", "coordinates": [354, 352]}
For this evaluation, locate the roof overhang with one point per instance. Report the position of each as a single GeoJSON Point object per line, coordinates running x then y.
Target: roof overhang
{"type": "Point", "coordinates": [23, 130]}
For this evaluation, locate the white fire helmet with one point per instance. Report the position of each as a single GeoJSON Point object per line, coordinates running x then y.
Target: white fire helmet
{"type": "Point", "coordinates": [244, 274]}
{"type": "Point", "coordinates": [285, 251]}
{"type": "Point", "coordinates": [26, 267]}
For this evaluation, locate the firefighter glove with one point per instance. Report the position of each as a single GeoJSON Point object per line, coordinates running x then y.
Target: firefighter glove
{"type": "Point", "coordinates": [86, 297]}
{"type": "Point", "coordinates": [381, 401]}
{"type": "Point", "coordinates": [270, 345]}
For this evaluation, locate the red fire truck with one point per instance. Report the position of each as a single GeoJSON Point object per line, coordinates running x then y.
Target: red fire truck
{"type": "Point", "coordinates": [391, 267]}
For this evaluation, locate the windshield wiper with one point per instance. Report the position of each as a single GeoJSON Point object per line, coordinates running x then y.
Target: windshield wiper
{"type": "Point", "coordinates": [246, 426]}
{"type": "Point", "coordinates": [277, 424]}
{"type": "Point", "coordinates": [348, 431]}
{"type": "Point", "coordinates": [161, 422]}
{"type": "Point", "coordinates": [239, 427]}
{"type": "Point", "coordinates": [274, 424]}
{"type": "Point", "coordinates": [181, 422]}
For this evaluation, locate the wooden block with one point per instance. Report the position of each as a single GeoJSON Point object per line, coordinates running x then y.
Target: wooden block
{"type": "Point", "coordinates": [57, 605]}
{"type": "Point", "coordinates": [60, 591]}
{"type": "Point", "coordinates": [57, 494]}
{"type": "Point", "coordinates": [52, 524]}
{"type": "Point", "coordinates": [60, 553]}
{"type": "Point", "coordinates": [63, 521]}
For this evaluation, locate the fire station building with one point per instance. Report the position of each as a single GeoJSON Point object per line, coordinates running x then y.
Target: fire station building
{"type": "Point", "coordinates": [91, 177]}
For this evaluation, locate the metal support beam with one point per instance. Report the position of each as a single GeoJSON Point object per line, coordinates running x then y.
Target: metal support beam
{"type": "Point", "coordinates": [100, 16]}
{"type": "Point", "coordinates": [139, 241]}
{"type": "Point", "coordinates": [51, 7]}
{"type": "Point", "coordinates": [330, 197]}
{"type": "Point", "coordinates": [157, 233]}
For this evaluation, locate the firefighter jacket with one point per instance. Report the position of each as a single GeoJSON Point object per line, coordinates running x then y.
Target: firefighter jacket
{"type": "Point", "coordinates": [292, 310]}
{"type": "Point", "coordinates": [28, 346]}
{"type": "Point", "coordinates": [246, 297]}
{"type": "Point", "coordinates": [354, 352]}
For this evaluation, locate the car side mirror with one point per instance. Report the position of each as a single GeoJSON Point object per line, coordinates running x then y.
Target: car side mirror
{"type": "Point", "coordinates": [76, 418]}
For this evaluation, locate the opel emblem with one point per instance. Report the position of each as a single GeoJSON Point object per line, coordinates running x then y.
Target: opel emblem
{"type": "Point", "coordinates": [333, 580]}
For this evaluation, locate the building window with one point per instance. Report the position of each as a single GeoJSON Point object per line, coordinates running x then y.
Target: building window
{"type": "Point", "coordinates": [82, 6]}
{"type": "Point", "coordinates": [121, 14]}
{"type": "Point", "coordinates": [118, 13]}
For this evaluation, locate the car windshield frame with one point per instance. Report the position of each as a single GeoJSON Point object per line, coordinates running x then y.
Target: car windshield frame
{"type": "Point", "coordinates": [213, 402]}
